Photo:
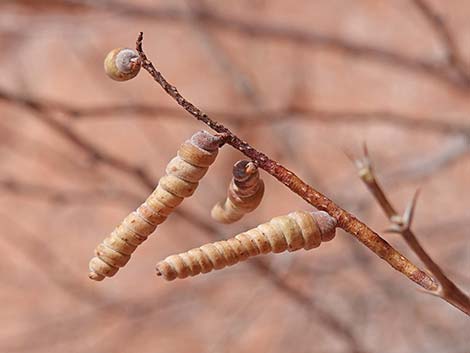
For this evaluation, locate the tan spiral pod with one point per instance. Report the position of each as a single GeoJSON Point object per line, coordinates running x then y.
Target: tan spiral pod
{"type": "Point", "coordinates": [122, 64]}
{"type": "Point", "coordinates": [244, 193]}
{"type": "Point", "coordinates": [295, 231]}
{"type": "Point", "coordinates": [181, 180]}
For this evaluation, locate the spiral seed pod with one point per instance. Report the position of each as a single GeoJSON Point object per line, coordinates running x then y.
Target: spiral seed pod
{"type": "Point", "coordinates": [295, 231]}
{"type": "Point", "coordinates": [122, 64]}
{"type": "Point", "coordinates": [181, 180]}
{"type": "Point", "coordinates": [244, 193]}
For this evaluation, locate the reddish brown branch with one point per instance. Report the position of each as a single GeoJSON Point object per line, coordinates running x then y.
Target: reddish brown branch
{"type": "Point", "coordinates": [345, 220]}
{"type": "Point", "coordinates": [447, 289]}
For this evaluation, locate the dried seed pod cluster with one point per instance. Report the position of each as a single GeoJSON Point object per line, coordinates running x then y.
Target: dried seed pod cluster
{"type": "Point", "coordinates": [244, 193]}
{"type": "Point", "coordinates": [181, 180]}
{"type": "Point", "coordinates": [122, 64]}
{"type": "Point", "coordinates": [295, 231]}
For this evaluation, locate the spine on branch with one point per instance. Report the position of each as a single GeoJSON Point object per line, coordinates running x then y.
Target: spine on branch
{"type": "Point", "coordinates": [244, 193]}
{"type": "Point", "coordinates": [295, 231]}
{"type": "Point", "coordinates": [181, 180]}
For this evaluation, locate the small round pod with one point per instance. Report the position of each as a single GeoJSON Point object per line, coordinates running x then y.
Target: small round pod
{"type": "Point", "coordinates": [122, 64]}
{"type": "Point", "coordinates": [297, 230]}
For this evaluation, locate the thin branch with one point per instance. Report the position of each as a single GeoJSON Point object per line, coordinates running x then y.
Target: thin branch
{"type": "Point", "coordinates": [261, 117]}
{"type": "Point", "coordinates": [278, 32]}
{"type": "Point", "coordinates": [424, 166]}
{"type": "Point", "coordinates": [446, 290]}
{"type": "Point", "coordinates": [49, 194]}
{"type": "Point", "coordinates": [75, 325]}
{"type": "Point", "coordinates": [310, 305]}
{"type": "Point", "coordinates": [442, 30]}
{"type": "Point", "coordinates": [42, 113]}
{"type": "Point", "coordinates": [241, 81]}
{"type": "Point", "coordinates": [38, 251]}
{"type": "Point", "coordinates": [345, 220]}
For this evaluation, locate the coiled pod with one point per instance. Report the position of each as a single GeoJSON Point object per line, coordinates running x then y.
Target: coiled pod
{"type": "Point", "coordinates": [295, 231]}
{"type": "Point", "coordinates": [244, 193]}
{"type": "Point", "coordinates": [122, 64]}
{"type": "Point", "coordinates": [181, 180]}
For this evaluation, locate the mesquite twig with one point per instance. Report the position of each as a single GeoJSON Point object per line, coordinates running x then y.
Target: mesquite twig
{"type": "Point", "coordinates": [447, 289]}
{"type": "Point", "coordinates": [345, 220]}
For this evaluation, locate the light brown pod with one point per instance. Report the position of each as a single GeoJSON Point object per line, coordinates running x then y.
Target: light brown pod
{"type": "Point", "coordinates": [297, 230]}
{"type": "Point", "coordinates": [181, 180]}
{"type": "Point", "coordinates": [244, 194]}
{"type": "Point", "coordinates": [122, 64]}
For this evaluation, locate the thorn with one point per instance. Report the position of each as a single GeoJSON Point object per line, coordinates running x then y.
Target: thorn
{"type": "Point", "coordinates": [366, 159]}
{"type": "Point", "coordinates": [410, 210]}
{"type": "Point", "coordinates": [397, 219]}
{"type": "Point", "coordinates": [359, 163]}
{"type": "Point", "coordinates": [349, 155]}
{"type": "Point", "coordinates": [365, 150]}
{"type": "Point", "coordinates": [401, 224]}
{"type": "Point", "coordinates": [363, 164]}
